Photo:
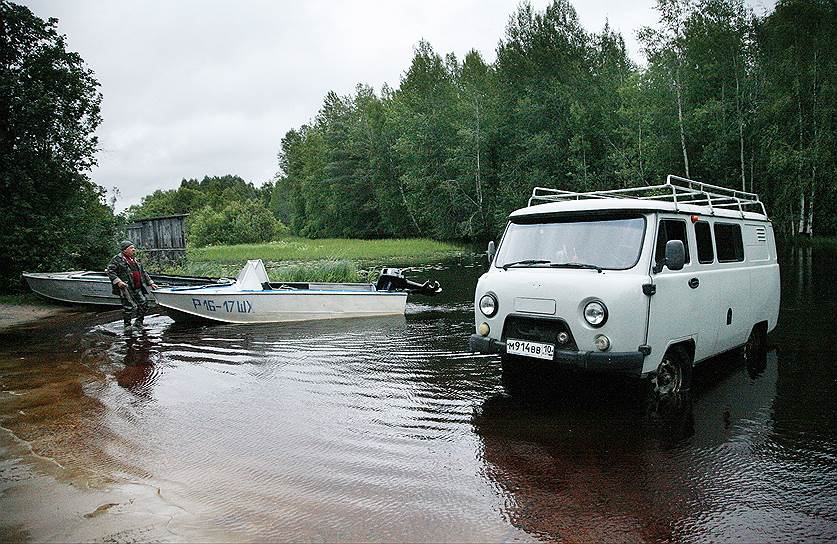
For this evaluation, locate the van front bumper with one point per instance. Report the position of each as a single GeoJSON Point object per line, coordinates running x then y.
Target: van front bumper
{"type": "Point", "coordinates": [626, 362]}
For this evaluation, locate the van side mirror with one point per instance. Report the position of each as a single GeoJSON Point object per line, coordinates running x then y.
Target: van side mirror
{"type": "Point", "coordinates": [491, 252]}
{"type": "Point", "coordinates": [675, 256]}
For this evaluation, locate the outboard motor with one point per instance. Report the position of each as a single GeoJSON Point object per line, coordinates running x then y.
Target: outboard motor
{"type": "Point", "coordinates": [392, 279]}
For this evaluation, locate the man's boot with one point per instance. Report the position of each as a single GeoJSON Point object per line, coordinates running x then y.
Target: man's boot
{"type": "Point", "coordinates": [127, 324]}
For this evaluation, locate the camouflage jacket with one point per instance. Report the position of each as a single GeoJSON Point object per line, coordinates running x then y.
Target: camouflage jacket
{"type": "Point", "coordinates": [118, 268]}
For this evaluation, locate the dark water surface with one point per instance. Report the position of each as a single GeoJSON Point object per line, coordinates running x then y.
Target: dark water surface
{"type": "Point", "coordinates": [390, 430]}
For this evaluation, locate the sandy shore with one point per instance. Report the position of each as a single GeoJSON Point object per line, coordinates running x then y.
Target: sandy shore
{"type": "Point", "coordinates": [17, 314]}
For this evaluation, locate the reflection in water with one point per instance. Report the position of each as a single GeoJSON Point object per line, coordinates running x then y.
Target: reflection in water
{"type": "Point", "coordinates": [138, 355]}
{"type": "Point", "coordinates": [388, 429]}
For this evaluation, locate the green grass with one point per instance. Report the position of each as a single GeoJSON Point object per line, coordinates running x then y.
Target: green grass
{"type": "Point", "coordinates": [305, 260]}
{"type": "Point", "coordinates": [400, 252]}
{"type": "Point", "coordinates": [323, 271]}
{"type": "Point", "coordinates": [342, 271]}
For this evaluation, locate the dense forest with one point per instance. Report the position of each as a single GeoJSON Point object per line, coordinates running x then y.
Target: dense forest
{"type": "Point", "coordinates": [726, 97]}
{"type": "Point", "coordinates": [52, 215]}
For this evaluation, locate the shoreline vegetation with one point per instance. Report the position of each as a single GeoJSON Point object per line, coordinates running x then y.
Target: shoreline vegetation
{"type": "Point", "coordinates": [315, 260]}
{"type": "Point", "coordinates": [291, 259]}
{"type": "Point", "coordinates": [294, 248]}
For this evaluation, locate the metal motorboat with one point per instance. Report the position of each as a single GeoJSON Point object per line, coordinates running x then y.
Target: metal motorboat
{"type": "Point", "coordinates": [91, 287]}
{"type": "Point", "coordinates": [253, 298]}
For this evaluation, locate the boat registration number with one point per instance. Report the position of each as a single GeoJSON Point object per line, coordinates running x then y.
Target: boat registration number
{"type": "Point", "coordinates": [530, 349]}
{"type": "Point", "coordinates": [229, 306]}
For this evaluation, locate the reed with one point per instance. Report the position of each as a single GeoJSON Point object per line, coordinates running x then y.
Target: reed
{"type": "Point", "coordinates": [403, 251]}
{"type": "Point", "coordinates": [336, 271]}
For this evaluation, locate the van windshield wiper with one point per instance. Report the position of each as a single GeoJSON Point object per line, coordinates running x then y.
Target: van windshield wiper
{"type": "Point", "coordinates": [527, 262]}
{"type": "Point", "coordinates": [577, 265]}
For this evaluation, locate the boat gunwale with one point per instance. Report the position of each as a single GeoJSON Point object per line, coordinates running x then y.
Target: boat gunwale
{"type": "Point", "coordinates": [187, 290]}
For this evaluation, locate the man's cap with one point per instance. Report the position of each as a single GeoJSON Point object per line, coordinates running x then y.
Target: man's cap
{"type": "Point", "coordinates": [125, 244]}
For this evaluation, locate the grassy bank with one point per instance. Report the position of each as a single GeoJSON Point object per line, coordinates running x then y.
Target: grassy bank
{"type": "Point", "coordinates": [323, 260]}
{"type": "Point", "coordinates": [315, 271]}
{"type": "Point", "coordinates": [401, 252]}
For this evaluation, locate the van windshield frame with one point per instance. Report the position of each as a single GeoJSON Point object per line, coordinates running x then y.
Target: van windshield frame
{"type": "Point", "coordinates": [550, 241]}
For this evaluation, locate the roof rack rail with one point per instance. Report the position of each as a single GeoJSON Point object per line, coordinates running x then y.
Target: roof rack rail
{"type": "Point", "coordinates": [676, 189]}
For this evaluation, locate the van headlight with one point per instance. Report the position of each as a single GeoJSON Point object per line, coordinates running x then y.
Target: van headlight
{"type": "Point", "coordinates": [595, 313]}
{"type": "Point", "coordinates": [489, 305]}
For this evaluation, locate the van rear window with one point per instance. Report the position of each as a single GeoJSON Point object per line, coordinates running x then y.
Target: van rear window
{"type": "Point", "coordinates": [728, 242]}
{"type": "Point", "coordinates": [703, 234]}
{"type": "Point", "coordinates": [670, 229]}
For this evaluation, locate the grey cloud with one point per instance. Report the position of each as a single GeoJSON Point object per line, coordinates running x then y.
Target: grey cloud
{"type": "Point", "coordinates": [209, 88]}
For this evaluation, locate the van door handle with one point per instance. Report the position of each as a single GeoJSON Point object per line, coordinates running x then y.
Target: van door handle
{"type": "Point", "coordinates": [694, 282]}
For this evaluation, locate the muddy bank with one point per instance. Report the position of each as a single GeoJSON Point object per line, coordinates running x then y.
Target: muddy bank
{"type": "Point", "coordinates": [18, 314]}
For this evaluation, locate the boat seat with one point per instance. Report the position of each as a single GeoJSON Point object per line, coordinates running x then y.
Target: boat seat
{"type": "Point", "coordinates": [283, 285]}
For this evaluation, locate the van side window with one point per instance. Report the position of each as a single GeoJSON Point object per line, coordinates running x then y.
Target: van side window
{"type": "Point", "coordinates": [703, 235]}
{"type": "Point", "coordinates": [728, 242]}
{"type": "Point", "coordinates": [670, 229]}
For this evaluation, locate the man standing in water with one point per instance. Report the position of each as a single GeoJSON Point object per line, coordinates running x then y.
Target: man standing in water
{"type": "Point", "coordinates": [129, 280]}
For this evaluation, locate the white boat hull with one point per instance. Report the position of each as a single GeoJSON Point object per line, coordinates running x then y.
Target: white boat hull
{"type": "Point", "coordinates": [271, 306]}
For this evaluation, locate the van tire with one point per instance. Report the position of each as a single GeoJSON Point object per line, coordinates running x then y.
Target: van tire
{"type": "Point", "coordinates": [674, 373]}
{"type": "Point", "coordinates": [754, 352]}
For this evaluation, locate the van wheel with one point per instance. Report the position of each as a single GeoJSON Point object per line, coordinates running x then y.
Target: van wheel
{"type": "Point", "coordinates": [754, 349]}
{"type": "Point", "coordinates": [674, 374]}
{"type": "Point", "coordinates": [754, 352]}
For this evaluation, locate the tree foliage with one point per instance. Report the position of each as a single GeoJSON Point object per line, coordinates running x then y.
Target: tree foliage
{"type": "Point", "coordinates": [726, 97]}
{"type": "Point", "coordinates": [244, 222]}
{"type": "Point", "coordinates": [223, 209]}
{"type": "Point", "coordinates": [52, 216]}
{"type": "Point", "coordinates": [192, 195]}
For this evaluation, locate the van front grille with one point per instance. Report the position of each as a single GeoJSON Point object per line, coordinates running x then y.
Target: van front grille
{"type": "Point", "coordinates": [538, 329]}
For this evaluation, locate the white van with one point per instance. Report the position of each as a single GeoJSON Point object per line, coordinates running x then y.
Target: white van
{"type": "Point", "coordinates": [643, 281]}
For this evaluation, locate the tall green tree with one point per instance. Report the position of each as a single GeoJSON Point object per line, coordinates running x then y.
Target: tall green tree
{"type": "Point", "coordinates": [665, 47]}
{"type": "Point", "coordinates": [475, 180]}
{"type": "Point", "coordinates": [726, 98]}
{"type": "Point", "coordinates": [541, 71]}
{"type": "Point", "coordinates": [798, 70]}
{"type": "Point", "coordinates": [423, 111]}
{"type": "Point", "coordinates": [52, 215]}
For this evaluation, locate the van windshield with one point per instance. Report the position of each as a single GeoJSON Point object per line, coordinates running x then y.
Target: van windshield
{"type": "Point", "coordinates": [612, 244]}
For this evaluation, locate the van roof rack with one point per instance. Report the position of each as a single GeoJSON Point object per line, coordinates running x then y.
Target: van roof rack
{"type": "Point", "coordinates": [676, 189]}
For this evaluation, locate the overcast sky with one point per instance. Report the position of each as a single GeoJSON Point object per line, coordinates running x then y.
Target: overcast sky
{"type": "Point", "coordinates": [195, 88]}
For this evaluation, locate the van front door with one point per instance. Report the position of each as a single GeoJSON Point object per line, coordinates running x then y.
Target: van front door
{"type": "Point", "coordinates": [675, 303]}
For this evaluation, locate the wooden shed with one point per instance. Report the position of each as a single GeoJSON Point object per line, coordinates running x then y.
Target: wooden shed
{"type": "Point", "coordinates": [160, 238]}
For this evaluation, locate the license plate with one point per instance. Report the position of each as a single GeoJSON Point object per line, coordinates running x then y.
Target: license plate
{"type": "Point", "coordinates": [530, 349]}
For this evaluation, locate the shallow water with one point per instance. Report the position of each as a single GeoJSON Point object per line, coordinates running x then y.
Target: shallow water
{"type": "Point", "coordinates": [389, 429]}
